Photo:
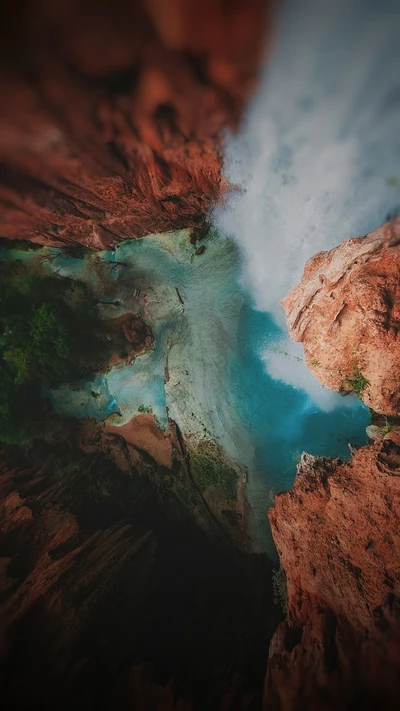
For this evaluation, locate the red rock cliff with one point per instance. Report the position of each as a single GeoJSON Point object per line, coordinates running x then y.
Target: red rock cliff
{"type": "Point", "coordinates": [337, 530]}
{"type": "Point", "coordinates": [338, 536]}
{"type": "Point", "coordinates": [111, 113]}
{"type": "Point", "coordinates": [346, 313]}
{"type": "Point", "coordinates": [113, 594]}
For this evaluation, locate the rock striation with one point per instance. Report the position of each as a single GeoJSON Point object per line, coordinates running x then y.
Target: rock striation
{"type": "Point", "coordinates": [111, 118]}
{"type": "Point", "coordinates": [107, 550]}
{"type": "Point", "coordinates": [337, 534]}
{"type": "Point", "coordinates": [346, 313]}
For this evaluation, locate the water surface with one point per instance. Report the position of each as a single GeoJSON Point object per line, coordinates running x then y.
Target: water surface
{"type": "Point", "coordinates": [218, 386]}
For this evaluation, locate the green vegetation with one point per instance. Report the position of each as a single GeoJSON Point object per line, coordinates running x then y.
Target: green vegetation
{"type": "Point", "coordinates": [315, 363]}
{"type": "Point", "coordinates": [279, 586]}
{"type": "Point", "coordinates": [211, 471]}
{"type": "Point", "coordinates": [358, 382]}
{"type": "Point", "coordinates": [47, 337]}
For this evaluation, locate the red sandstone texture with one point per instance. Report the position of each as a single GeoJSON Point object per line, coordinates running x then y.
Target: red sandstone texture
{"type": "Point", "coordinates": [105, 578]}
{"type": "Point", "coordinates": [338, 537]}
{"type": "Point", "coordinates": [346, 313]}
{"type": "Point", "coordinates": [54, 575]}
{"type": "Point", "coordinates": [112, 114]}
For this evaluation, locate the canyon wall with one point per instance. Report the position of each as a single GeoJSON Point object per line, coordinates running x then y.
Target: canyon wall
{"type": "Point", "coordinates": [117, 592]}
{"type": "Point", "coordinates": [337, 532]}
{"type": "Point", "coordinates": [112, 114]}
{"type": "Point", "coordinates": [346, 313]}
{"type": "Point", "coordinates": [337, 529]}
{"type": "Point", "coordinates": [112, 117]}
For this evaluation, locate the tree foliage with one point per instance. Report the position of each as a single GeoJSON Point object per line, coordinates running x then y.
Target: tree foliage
{"type": "Point", "coordinates": [47, 327]}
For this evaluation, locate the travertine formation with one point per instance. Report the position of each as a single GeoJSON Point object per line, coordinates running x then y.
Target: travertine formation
{"type": "Point", "coordinates": [338, 537]}
{"type": "Point", "coordinates": [346, 313]}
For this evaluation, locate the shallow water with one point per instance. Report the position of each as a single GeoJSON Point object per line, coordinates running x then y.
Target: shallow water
{"type": "Point", "coordinates": [218, 385]}
{"type": "Point", "coordinates": [214, 348]}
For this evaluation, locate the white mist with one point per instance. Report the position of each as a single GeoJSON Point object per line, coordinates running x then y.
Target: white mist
{"type": "Point", "coordinates": [318, 157]}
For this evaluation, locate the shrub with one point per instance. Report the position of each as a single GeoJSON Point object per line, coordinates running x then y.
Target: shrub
{"type": "Point", "coordinates": [48, 338]}
{"type": "Point", "coordinates": [358, 382]}
{"type": "Point", "coordinates": [210, 471]}
{"type": "Point", "coordinates": [205, 470]}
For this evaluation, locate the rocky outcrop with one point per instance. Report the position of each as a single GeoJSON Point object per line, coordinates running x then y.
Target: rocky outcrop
{"type": "Point", "coordinates": [337, 529]}
{"type": "Point", "coordinates": [338, 537]}
{"type": "Point", "coordinates": [111, 115]}
{"type": "Point", "coordinates": [137, 332]}
{"type": "Point", "coordinates": [346, 313]}
{"type": "Point", "coordinates": [107, 550]}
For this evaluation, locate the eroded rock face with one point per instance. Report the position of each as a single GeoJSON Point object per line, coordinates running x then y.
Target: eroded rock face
{"type": "Point", "coordinates": [346, 313]}
{"type": "Point", "coordinates": [107, 550]}
{"type": "Point", "coordinates": [138, 332]}
{"type": "Point", "coordinates": [338, 537]}
{"type": "Point", "coordinates": [111, 116]}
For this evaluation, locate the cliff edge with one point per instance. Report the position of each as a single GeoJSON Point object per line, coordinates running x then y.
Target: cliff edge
{"type": "Point", "coordinates": [346, 313]}
{"type": "Point", "coordinates": [337, 532]}
{"type": "Point", "coordinates": [337, 529]}
{"type": "Point", "coordinates": [112, 115]}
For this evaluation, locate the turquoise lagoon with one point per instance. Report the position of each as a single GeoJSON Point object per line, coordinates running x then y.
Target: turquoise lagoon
{"type": "Point", "coordinates": [218, 387]}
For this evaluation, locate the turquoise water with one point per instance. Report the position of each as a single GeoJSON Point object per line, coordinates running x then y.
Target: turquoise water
{"type": "Point", "coordinates": [219, 386]}
{"type": "Point", "coordinates": [85, 399]}
{"type": "Point", "coordinates": [283, 420]}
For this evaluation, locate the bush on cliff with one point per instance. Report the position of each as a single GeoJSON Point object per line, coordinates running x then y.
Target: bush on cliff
{"type": "Point", "coordinates": [358, 382]}
{"type": "Point", "coordinates": [210, 471]}
{"type": "Point", "coordinates": [47, 328]}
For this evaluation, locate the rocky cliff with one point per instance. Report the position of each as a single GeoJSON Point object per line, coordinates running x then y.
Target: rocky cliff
{"type": "Point", "coordinates": [111, 117]}
{"type": "Point", "coordinates": [120, 588]}
{"type": "Point", "coordinates": [346, 313]}
{"type": "Point", "coordinates": [337, 530]}
{"type": "Point", "coordinates": [337, 534]}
